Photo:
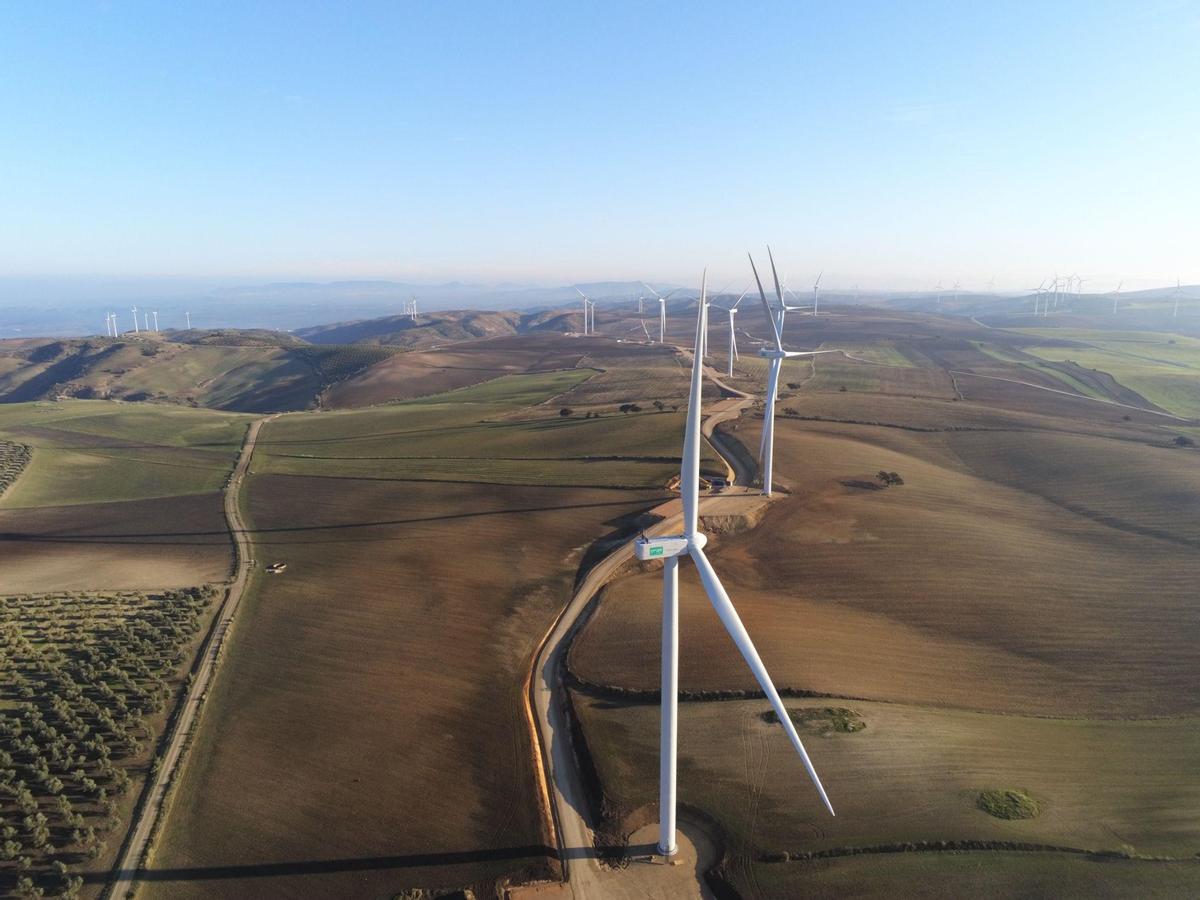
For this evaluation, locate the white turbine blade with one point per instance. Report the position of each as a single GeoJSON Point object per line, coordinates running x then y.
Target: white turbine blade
{"type": "Point", "coordinates": [741, 298]}
{"type": "Point", "coordinates": [733, 624]}
{"type": "Point", "coordinates": [652, 290]}
{"type": "Point", "coordinates": [775, 275]}
{"type": "Point", "coordinates": [689, 472]}
{"type": "Point", "coordinates": [766, 306]}
{"type": "Point", "coordinates": [817, 283]}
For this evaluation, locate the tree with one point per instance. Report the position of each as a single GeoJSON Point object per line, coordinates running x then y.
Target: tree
{"type": "Point", "coordinates": [627, 407]}
{"type": "Point", "coordinates": [889, 478]}
{"type": "Point", "coordinates": [1184, 441]}
{"type": "Point", "coordinates": [565, 411]}
{"type": "Point", "coordinates": [659, 405]}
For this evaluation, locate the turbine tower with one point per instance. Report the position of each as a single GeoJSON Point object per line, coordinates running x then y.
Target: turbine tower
{"type": "Point", "coordinates": [1175, 314]}
{"type": "Point", "coordinates": [776, 355]}
{"type": "Point", "coordinates": [188, 317]}
{"type": "Point", "coordinates": [1116, 297]}
{"type": "Point", "coordinates": [155, 314]}
{"type": "Point", "coordinates": [817, 294]}
{"type": "Point", "coordinates": [135, 327]}
{"type": "Point", "coordinates": [669, 550]}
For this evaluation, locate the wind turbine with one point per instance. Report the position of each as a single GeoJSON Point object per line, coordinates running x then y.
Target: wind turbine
{"type": "Point", "coordinates": [414, 307]}
{"type": "Point", "coordinates": [1116, 297]}
{"type": "Point", "coordinates": [669, 550]}
{"type": "Point", "coordinates": [776, 355]}
{"type": "Point", "coordinates": [1175, 314]}
{"type": "Point", "coordinates": [188, 317]}
{"type": "Point", "coordinates": [586, 301]}
{"type": "Point", "coordinates": [135, 327]}
{"type": "Point", "coordinates": [733, 352]}
{"type": "Point", "coordinates": [816, 293]}
{"type": "Point", "coordinates": [662, 311]}
{"type": "Point", "coordinates": [146, 319]}
{"type": "Point", "coordinates": [155, 314]}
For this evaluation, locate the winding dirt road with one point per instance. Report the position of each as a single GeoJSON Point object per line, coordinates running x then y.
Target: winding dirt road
{"type": "Point", "coordinates": [152, 806]}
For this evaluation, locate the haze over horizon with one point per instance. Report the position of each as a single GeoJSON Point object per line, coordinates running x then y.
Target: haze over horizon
{"type": "Point", "coordinates": [281, 144]}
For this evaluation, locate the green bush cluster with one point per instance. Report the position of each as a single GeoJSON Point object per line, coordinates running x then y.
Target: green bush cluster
{"type": "Point", "coordinates": [80, 675]}
{"type": "Point", "coordinates": [14, 458]}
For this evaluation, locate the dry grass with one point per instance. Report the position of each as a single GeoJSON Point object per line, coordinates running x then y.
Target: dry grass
{"type": "Point", "coordinates": [954, 589]}
{"type": "Point", "coordinates": [366, 732]}
{"type": "Point", "coordinates": [912, 775]}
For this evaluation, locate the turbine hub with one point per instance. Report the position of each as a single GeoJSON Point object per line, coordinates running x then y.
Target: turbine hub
{"type": "Point", "coordinates": [697, 541]}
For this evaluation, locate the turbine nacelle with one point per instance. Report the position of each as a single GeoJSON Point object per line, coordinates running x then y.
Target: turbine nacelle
{"type": "Point", "coordinates": [648, 549]}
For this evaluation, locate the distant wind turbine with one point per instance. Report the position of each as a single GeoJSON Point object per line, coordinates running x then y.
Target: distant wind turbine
{"type": "Point", "coordinates": [662, 311]}
{"type": "Point", "coordinates": [188, 317]}
{"type": "Point", "coordinates": [1116, 297]}
{"type": "Point", "coordinates": [733, 351]}
{"type": "Point", "coordinates": [1175, 314]}
{"type": "Point", "coordinates": [817, 294]}
{"type": "Point", "coordinates": [669, 550]}
{"type": "Point", "coordinates": [135, 325]}
{"type": "Point", "coordinates": [776, 355]}
{"type": "Point", "coordinates": [155, 314]}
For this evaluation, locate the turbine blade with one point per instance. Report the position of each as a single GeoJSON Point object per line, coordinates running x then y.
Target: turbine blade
{"type": "Point", "coordinates": [775, 275]}
{"type": "Point", "coordinates": [689, 472]}
{"type": "Point", "coordinates": [766, 306]}
{"type": "Point", "coordinates": [733, 624]}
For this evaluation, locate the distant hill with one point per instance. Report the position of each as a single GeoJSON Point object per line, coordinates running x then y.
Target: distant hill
{"type": "Point", "coordinates": [247, 372]}
{"type": "Point", "coordinates": [451, 326]}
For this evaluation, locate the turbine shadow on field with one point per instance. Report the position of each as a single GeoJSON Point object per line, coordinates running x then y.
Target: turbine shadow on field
{"type": "Point", "coordinates": [322, 866]}
{"type": "Point", "coordinates": [356, 864]}
{"type": "Point", "coordinates": [136, 537]}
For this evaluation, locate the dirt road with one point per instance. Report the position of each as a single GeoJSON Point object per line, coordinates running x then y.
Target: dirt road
{"type": "Point", "coordinates": [151, 808]}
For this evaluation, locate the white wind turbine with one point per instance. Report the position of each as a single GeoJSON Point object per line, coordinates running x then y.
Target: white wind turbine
{"type": "Point", "coordinates": [776, 355]}
{"type": "Point", "coordinates": [817, 294]}
{"type": "Point", "coordinates": [662, 311]}
{"type": "Point", "coordinates": [669, 550]}
{"type": "Point", "coordinates": [1117, 297]}
{"type": "Point", "coordinates": [135, 325]}
{"type": "Point", "coordinates": [583, 297]}
{"type": "Point", "coordinates": [155, 314]}
{"type": "Point", "coordinates": [1175, 314]}
{"type": "Point", "coordinates": [733, 351]}
{"type": "Point", "coordinates": [188, 318]}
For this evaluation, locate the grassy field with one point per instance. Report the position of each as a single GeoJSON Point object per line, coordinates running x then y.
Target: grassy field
{"type": "Point", "coordinates": [507, 430]}
{"type": "Point", "coordinates": [116, 495]}
{"type": "Point", "coordinates": [1165, 369]}
{"type": "Point", "coordinates": [365, 734]}
{"type": "Point", "coordinates": [88, 680]}
{"type": "Point", "coordinates": [1024, 603]}
{"type": "Point", "coordinates": [998, 571]}
{"type": "Point", "coordinates": [1115, 787]}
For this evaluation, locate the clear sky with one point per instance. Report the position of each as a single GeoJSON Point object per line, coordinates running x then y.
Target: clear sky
{"type": "Point", "coordinates": [886, 143]}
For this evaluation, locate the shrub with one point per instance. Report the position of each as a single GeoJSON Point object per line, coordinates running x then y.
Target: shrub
{"type": "Point", "coordinates": [1008, 804]}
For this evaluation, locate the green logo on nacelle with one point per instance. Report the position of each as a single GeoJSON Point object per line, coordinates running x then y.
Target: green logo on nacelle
{"type": "Point", "coordinates": [656, 551]}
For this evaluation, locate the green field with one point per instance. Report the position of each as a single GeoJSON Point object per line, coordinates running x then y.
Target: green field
{"type": "Point", "coordinates": [89, 451]}
{"type": "Point", "coordinates": [1163, 368]}
{"type": "Point", "coordinates": [504, 431]}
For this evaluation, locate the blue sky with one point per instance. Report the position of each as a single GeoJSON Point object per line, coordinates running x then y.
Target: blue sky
{"type": "Point", "coordinates": [888, 144]}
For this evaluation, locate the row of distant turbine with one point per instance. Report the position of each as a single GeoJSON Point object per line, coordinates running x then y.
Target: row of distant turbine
{"type": "Point", "coordinates": [1048, 296]}
{"type": "Point", "coordinates": [113, 329]}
